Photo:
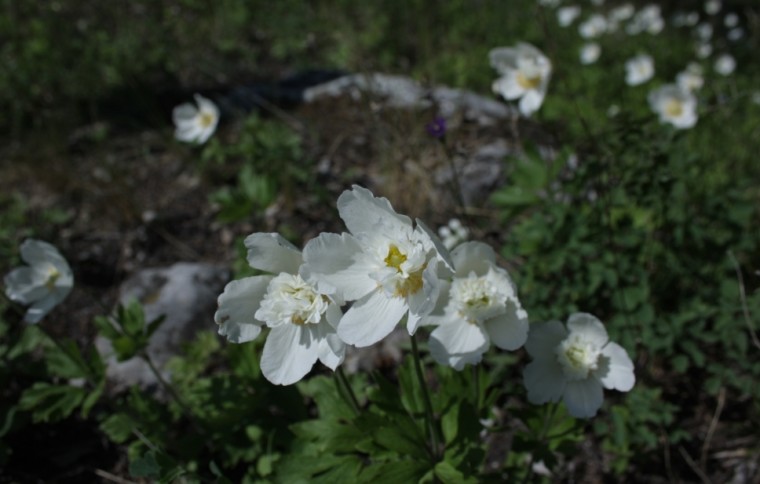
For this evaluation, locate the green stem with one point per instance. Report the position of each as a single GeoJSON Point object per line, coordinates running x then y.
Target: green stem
{"type": "Point", "coordinates": [429, 417]}
{"type": "Point", "coordinates": [344, 387]}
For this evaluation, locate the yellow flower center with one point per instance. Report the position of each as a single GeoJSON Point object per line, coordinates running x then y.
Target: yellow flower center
{"type": "Point", "coordinates": [53, 275]}
{"type": "Point", "coordinates": [410, 285]}
{"type": "Point", "coordinates": [528, 82]}
{"type": "Point", "coordinates": [206, 119]}
{"type": "Point", "coordinates": [673, 108]}
{"type": "Point", "coordinates": [395, 258]}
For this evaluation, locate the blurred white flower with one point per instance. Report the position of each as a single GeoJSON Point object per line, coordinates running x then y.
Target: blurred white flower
{"type": "Point", "coordinates": [613, 110]}
{"type": "Point", "coordinates": [690, 79]}
{"type": "Point", "coordinates": [674, 106]}
{"type": "Point", "coordinates": [622, 12]}
{"type": "Point", "coordinates": [574, 364]}
{"type": "Point", "coordinates": [302, 320]}
{"type": "Point", "coordinates": [453, 233]}
{"type": "Point", "coordinates": [731, 20]}
{"type": "Point", "coordinates": [704, 32]}
{"type": "Point", "coordinates": [593, 27]}
{"type": "Point", "coordinates": [639, 70]}
{"type": "Point", "coordinates": [43, 284]}
{"type": "Point", "coordinates": [385, 264]}
{"type": "Point", "coordinates": [567, 15]}
{"type": "Point", "coordinates": [525, 73]}
{"type": "Point", "coordinates": [725, 65]}
{"type": "Point", "coordinates": [756, 97]}
{"type": "Point", "coordinates": [735, 34]}
{"type": "Point", "coordinates": [597, 3]}
{"type": "Point", "coordinates": [648, 19]}
{"type": "Point", "coordinates": [685, 19]}
{"type": "Point", "coordinates": [590, 53]}
{"type": "Point", "coordinates": [195, 124]}
{"type": "Point", "coordinates": [712, 6]}
{"type": "Point", "coordinates": [478, 307]}
{"type": "Point", "coordinates": [703, 50]}
{"type": "Point", "coordinates": [549, 3]}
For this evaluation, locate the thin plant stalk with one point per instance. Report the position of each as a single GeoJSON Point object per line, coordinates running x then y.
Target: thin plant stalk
{"type": "Point", "coordinates": [429, 417]}
{"type": "Point", "coordinates": [347, 391]}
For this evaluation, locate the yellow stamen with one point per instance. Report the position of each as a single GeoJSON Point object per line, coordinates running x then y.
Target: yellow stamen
{"type": "Point", "coordinates": [207, 119]}
{"type": "Point", "coordinates": [674, 108]}
{"type": "Point", "coordinates": [528, 82]}
{"type": "Point", "coordinates": [395, 258]}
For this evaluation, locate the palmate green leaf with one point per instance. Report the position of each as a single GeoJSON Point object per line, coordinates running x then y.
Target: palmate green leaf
{"type": "Point", "coordinates": [106, 328]}
{"type": "Point", "coordinates": [31, 338]}
{"type": "Point", "coordinates": [51, 402]}
{"type": "Point", "coordinates": [394, 472]}
{"type": "Point", "coordinates": [66, 361]}
{"type": "Point", "coordinates": [400, 440]}
{"type": "Point", "coordinates": [92, 398]}
{"type": "Point", "coordinates": [411, 393]}
{"type": "Point", "coordinates": [131, 317]}
{"type": "Point", "coordinates": [448, 474]}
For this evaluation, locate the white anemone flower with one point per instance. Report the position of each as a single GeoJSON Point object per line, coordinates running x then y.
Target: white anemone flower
{"type": "Point", "coordinates": [735, 34]}
{"type": "Point", "coordinates": [567, 15]}
{"type": "Point", "coordinates": [639, 70]}
{"type": "Point", "coordinates": [195, 124]}
{"type": "Point", "coordinates": [574, 364]}
{"type": "Point", "coordinates": [302, 320]}
{"type": "Point", "coordinates": [622, 12]}
{"type": "Point", "coordinates": [593, 27]}
{"type": "Point", "coordinates": [725, 65]}
{"type": "Point", "coordinates": [525, 73]}
{"type": "Point", "coordinates": [43, 284]}
{"type": "Point", "coordinates": [731, 20]}
{"type": "Point", "coordinates": [704, 32]}
{"type": "Point", "coordinates": [385, 265]}
{"type": "Point", "coordinates": [590, 53]}
{"type": "Point", "coordinates": [477, 308]}
{"type": "Point", "coordinates": [674, 105]}
{"type": "Point", "coordinates": [690, 79]}
{"type": "Point", "coordinates": [713, 6]}
{"type": "Point", "coordinates": [703, 50]}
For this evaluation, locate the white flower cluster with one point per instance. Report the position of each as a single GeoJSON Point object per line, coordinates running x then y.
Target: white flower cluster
{"type": "Point", "coordinates": [525, 72]}
{"type": "Point", "coordinates": [390, 268]}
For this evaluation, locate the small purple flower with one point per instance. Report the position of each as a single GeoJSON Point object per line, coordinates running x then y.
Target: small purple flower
{"type": "Point", "coordinates": [437, 127]}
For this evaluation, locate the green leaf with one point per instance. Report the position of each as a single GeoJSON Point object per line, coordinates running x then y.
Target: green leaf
{"type": "Point", "coordinates": [394, 472]}
{"type": "Point", "coordinates": [118, 427]}
{"type": "Point", "coordinates": [92, 398]}
{"type": "Point", "coordinates": [51, 402]}
{"type": "Point", "coordinates": [145, 466]}
{"type": "Point", "coordinates": [448, 474]}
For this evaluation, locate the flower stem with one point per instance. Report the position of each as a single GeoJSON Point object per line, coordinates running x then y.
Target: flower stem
{"type": "Point", "coordinates": [347, 392]}
{"type": "Point", "coordinates": [429, 417]}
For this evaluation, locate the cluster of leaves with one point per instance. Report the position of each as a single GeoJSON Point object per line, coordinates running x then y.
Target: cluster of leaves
{"type": "Point", "coordinates": [265, 160]}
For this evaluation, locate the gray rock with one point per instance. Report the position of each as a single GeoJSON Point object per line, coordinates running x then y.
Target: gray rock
{"type": "Point", "coordinates": [478, 173]}
{"type": "Point", "coordinates": [186, 294]}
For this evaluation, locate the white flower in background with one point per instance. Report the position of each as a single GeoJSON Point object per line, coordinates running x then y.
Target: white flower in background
{"type": "Point", "coordinates": [613, 110]}
{"type": "Point", "coordinates": [590, 53]}
{"type": "Point", "coordinates": [597, 3]}
{"type": "Point", "coordinates": [453, 233]}
{"type": "Point", "coordinates": [639, 70]}
{"type": "Point", "coordinates": [703, 50]}
{"type": "Point", "coordinates": [386, 265]}
{"type": "Point", "coordinates": [756, 97]}
{"type": "Point", "coordinates": [735, 34]}
{"type": "Point", "coordinates": [674, 105]}
{"type": "Point", "coordinates": [574, 364]}
{"type": "Point", "coordinates": [712, 6]}
{"type": "Point", "coordinates": [648, 19]}
{"type": "Point", "coordinates": [731, 20]}
{"type": "Point", "coordinates": [622, 12]}
{"type": "Point", "coordinates": [302, 320]}
{"type": "Point", "coordinates": [549, 3]}
{"type": "Point", "coordinates": [43, 284]}
{"type": "Point", "coordinates": [195, 124]}
{"type": "Point", "coordinates": [704, 32]}
{"type": "Point", "coordinates": [593, 27]}
{"type": "Point", "coordinates": [525, 73]}
{"type": "Point", "coordinates": [685, 19]}
{"type": "Point", "coordinates": [725, 65]}
{"type": "Point", "coordinates": [477, 308]}
{"type": "Point", "coordinates": [690, 79]}
{"type": "Point", "coordinates": [567, 15]}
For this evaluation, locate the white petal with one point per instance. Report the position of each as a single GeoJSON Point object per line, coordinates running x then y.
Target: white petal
{"type": "Point", "coordinates": [237, 305]}
{"type": "Point", "coordinates": [509, 331]}
{"type": "Point", "coordinates": [615, 368]}
{"type": "Point", "coordinates": [543, 339]}
{"type": "Point", "coordinates": [458, 361]}
{"type": "Point", "coordinates": [474, 257]}
{"type": "Point", "coordinates": [544, 381]}
{"type": "Point", "coordinates": [589, 326]}
{"type": "Point", "coordinates": [336, 262]}
{"type": "Point", "coordinates": [530, 102]}
{"type": "Point", "coordinates": [270, 252]}
{"type": "Point", "coordinates": [24, 285]}
{"type": "Point", "coordinates": [583, 398]}
{"type": "Point", "coordinates": [438, 315]}
{"type": "Point", "coordinates": [183, 113]}
{"type": "Point", "coordinates": [503, 59]}
{"type": "Point", "coordinates": [289, 353]}
{"type": "Point", "coordinates": [431, 241]}
{"type": "Point", "coordinates": [331, 351]}
{"type": "Point", "coordinates": [361, 211]}
{"type": "Point", "coordinates": [35, 252]}
{"type": "Point", "coordinates": [205, 105]}
{"type": "Point", "coordinates": [371, 318]}
{"type": "Point", "coordinates": [457, 337]}
{"type": "Point", "coordinates": [40, 308]}
{"type": "Point", "coordinates": [508, 87]}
